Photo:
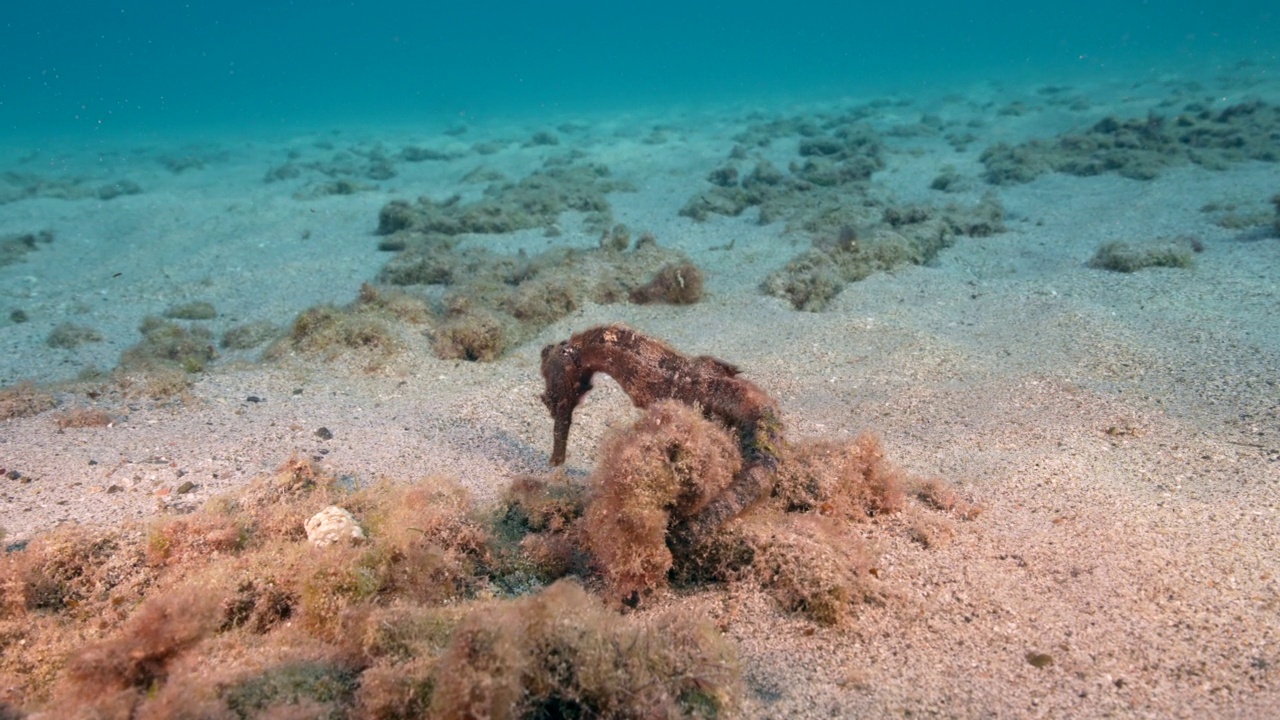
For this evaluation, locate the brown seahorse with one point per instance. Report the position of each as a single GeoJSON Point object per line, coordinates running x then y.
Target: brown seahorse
{"type": "Point", "coordinates": [649, 370]}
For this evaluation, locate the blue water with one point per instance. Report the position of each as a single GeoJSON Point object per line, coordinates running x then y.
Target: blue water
{"type": "Point", "coordinates": [93, 68]}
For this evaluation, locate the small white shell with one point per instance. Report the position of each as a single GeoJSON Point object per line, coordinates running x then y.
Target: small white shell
{"type": "Point", "coordinates": [331, 525]}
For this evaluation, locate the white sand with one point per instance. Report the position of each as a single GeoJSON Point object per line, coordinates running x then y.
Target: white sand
{"type": "Point", "coordinates": [1122, 432]}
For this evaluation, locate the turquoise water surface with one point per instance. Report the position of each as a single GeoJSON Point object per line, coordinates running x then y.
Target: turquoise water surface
{"type": "Point", "coordinates": [145, 66]}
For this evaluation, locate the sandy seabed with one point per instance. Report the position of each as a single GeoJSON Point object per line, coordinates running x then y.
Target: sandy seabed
{"type": "Point", "coordinates": [1121, 431]}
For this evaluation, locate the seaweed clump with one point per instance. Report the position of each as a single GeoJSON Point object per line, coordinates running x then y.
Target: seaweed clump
{"type": "Point", "coordinates": [230, 612]}
{"type": "Point", "coordinates": [559, 653]}
{"type": "Point", "coordinates": [908, 235]}
{"type": "Point", "coordinates": [798, 541]}
{"type": "Point", "coordinates": [659, 473]}
{"type": "Point", "coordinates": [366, 328]}
{"type": "Point", "coordinates": [168, 345]}
{"type": "Point", "coordinates": [161, 364]}
{"type": "Point", "coordinates": [24, 399]}
{"type": "Point", "coordinates": [536, 201]}
{"type": "Point", "coordinates": [837, 157]}
{"type": "Point", "coordinates": [69, 336]}
{"type": "Point", "coordinates": [195, 310]}
{"type": "Point", "coordinates": [1140, 148]}
{"type": "Point", "coordinates": [344, 171]}
{"type": "Point", "coordinates": [1125, 257]}
{"type": "Point", "coordinates": [14, 248]}
{"type": "Point", "coordinates": [494, 301]}
{"type": "Point", "coordinates": [827, 195]}
{"type": "Point", "coordinates": [246, 336]}
{"type": "Point", "coordinates": [16, 186]}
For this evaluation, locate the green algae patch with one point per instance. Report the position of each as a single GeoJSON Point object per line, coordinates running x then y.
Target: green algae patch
{"type": "Point", "coordinates": [1141, 148]}
{"type": "Point", "coordinates": [246, 336]}
{"type": "Point", "coordinates": [26, 186]}
{"type": "Point", "coordinates": [486, 302]}
{"type": "Point", "coordinates": [195, 310]}
{"type": "Point", "coordinates": [535, 201]}
{"type": "Point", "coordinates": [1128, 257]}
{"type": "Point", "coordinates": [908, 235]}
{"type": "Point", "coordinates": [494, 301]}
{"type": "Point", "coordinates": [14, 248]}
{"type": "Point", "coordinates": [371, 327]}
{"type": "Point", "coordinates": [166, 344]}
{"type": "Point", "coordinates": [69, 336]}
{"type": "Point", "coordinates": [827, 193]}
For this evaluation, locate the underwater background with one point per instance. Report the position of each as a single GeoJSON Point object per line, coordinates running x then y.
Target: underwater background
{"type": "Point", "coordinates": [84, 69]}
{"type": "Point", "coordinates": [1009, 272]}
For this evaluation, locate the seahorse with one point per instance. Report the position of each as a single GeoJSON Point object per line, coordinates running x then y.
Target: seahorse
{"type": "Point", "coordinates": [649, 370]}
